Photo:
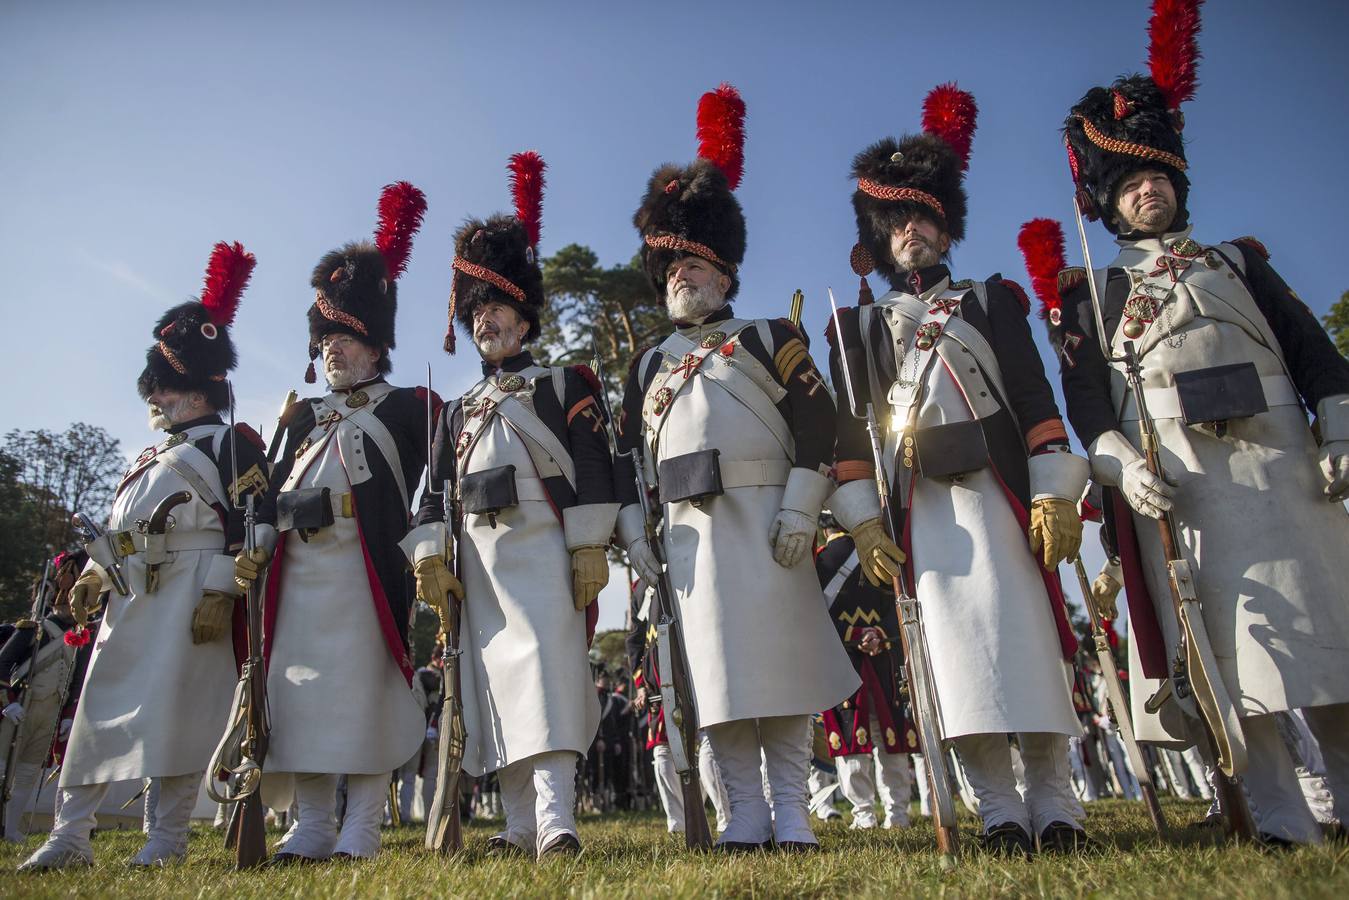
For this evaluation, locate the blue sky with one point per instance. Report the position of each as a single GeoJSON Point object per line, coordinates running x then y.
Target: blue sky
{"type": "Point", "coordinates": [137, 134]}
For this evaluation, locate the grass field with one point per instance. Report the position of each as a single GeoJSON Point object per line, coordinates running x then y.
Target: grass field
{"type": "Point", "coordinates": [631, 856]}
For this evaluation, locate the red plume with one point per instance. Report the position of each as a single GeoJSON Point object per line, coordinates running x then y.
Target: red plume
{"type": "Point", "coordinates": [1173, 48]}
{"type": "Point", "coordinates": [401, 208]}
{"type": "Point", "coordinates": [227, 275]}
{"type": "Point", "coordinates": [527, 183]}
{"type": "Point", "coordinates": [1041, 243]}
{"type": "Point", "coordinates": [721, 131]}
{"type": "Point", "coordinates": [950, 113]}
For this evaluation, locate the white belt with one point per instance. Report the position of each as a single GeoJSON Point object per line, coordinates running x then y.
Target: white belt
{"type": "Point", "coordinates": [1164, 403]}
{"type": "Point", "coordinates": [129, 543]}
{"type": "Point", "coordinates": [753, 472]}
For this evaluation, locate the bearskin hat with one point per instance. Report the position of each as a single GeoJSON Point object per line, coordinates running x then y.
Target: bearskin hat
{"type": "Point", "coordinates": [919, 174]}
{"type": "Point", "coordinates": [356, 290]}
{"type": "Point", "coordinates": [1136, 123]}
{"type": "Point", "coordinates": [692, 210]}
{"type": "Point", "coordinates": [193, 350]}
{"type": "Point", "coordinates": [497, 260]}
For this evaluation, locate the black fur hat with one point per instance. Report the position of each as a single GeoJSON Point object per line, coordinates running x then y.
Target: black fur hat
{"type": "Point", "coordinates": [1114, 131]}
{"type": "Point", "coordinates": [690, 211]}
{"type": "Point", "coordinates": [356, 296]}
{"type": "Point", "coordinates": [923, 164]}
{"type": "Point", "coordinates": [500, 245]}
{"type": "Point", "coordinates": [193, 350]}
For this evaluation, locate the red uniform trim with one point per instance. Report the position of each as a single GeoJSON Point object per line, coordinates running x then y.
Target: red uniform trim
{"type": "Point", "coordinates": [1147, 630]}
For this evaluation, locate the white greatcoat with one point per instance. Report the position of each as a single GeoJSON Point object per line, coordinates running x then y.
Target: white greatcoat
{"type": "Point", "coordinates": [154, 704]}
{"type": "Point", "coordinates": [527, 687]}
{"type": "Point", "coordinates": [339, 702]}
{"type": "Point", "coordinates": [758, 636]}
{"type": "Point", "coordinates": [1250, 511]}
{"type": "Point", "coordinates": [991, 635]}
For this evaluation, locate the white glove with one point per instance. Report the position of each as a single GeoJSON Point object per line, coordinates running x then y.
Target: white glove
{"type": "Point", "coordinates": [1116, 463]}
{"type": "Point", "coordinates": [432, 734]}
{"type": "Point", "coordinates": [1335, 466]}
{"type": "Point", "coordinates": [64, 731]}
{"type": "Point", "coordinates": [14, 712]}
{"type": "Point", "coordinates": [643, 561]}
{"type": "Point", "coordinates": [790, 537]}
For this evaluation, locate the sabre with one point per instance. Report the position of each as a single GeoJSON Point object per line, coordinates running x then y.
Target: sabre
{"type": "Point", "coordinates": [922, 693]}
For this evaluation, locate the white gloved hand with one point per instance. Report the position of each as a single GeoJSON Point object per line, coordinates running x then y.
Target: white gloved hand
{"type": "Point", "coordinates": [13, 712]}
{"type": "Point", "coordinates": [791, 537]}
{"type": "Point", "coordinates": [643, 561]}
{"type": "Point", "coordinates": [1116, 463]}
{"type": "Point", "coordinates": [432, 734]}
{"type": "Point", "coordinates": [64, 731]}
{"type": "Point", "coordinates": [1335, 466]}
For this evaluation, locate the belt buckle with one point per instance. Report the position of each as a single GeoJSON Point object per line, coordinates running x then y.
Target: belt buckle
{"type": "Point", "coordinates": [124, 543]}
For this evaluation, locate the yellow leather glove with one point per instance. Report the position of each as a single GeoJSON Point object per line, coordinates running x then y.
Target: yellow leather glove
{"type": "Point", "coordinates": [248, 567]}
{"type": "Point", "coordinates": [1055, 530]}
{"type": "Point", "coordinates": [589, 575]}
{"type": "Point", "coordinates": [211, 618]}
{"type": "Point", "coordinates": [84, 596]}
{"type": "Point", "coordinates": [435, 582]}
{"type": "Point", "coordinates": [1105, 590]}
{"type": "Point", "coordinates": [880, 558]}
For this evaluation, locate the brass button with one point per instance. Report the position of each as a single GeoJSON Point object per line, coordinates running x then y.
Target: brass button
{"type": "Point", "coordinates": [908, 463]}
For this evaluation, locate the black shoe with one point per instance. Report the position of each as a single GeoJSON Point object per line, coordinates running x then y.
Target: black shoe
{"type": "Point", "coordinates": [798, 847]}
{"type": "Point", "coordinates": [290, 859]}
{"type": "Point", "coordinates": [1273, 842]}
{"type": "Point", "coordinates": [1007, 839]}
{"type": "Point", "coordinates": [342, 856]}
{"type": "Point", "coordinates": [1061, 837]}
{"type": "Point", "coordinates": [500, 848]}
{"type": "Point", "coordinates": [564, 845]}
{"type": "Point", "coordinates": [735, 847]}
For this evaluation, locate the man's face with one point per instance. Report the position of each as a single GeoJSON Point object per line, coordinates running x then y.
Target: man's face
{"type": "Point", "coordinates": [1145, 201]}
{"type": "Point", "coordinates": [347, 360]}
{"type": "Point", "coordinates": [694, 288]}
{"type": "Point", "coordinates": [918, 243]}
{"type": "Point", "coordinates": [168, 407]}
{"type": "Point", "coordinates": [498, 331]}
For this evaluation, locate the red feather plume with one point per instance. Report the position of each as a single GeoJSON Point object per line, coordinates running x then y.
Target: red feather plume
{"type": "Point", "coordinates": [721, 131]}
{"type": "Point", "coordinates": [1042, 245]}
{"type": "Point", "coordinates": [1173, 48]}
{"type": "Point", "coordinates": [401, 208]}
{"type": "Point", "coordinates": [950, 114]}
{"type": "Point", "coordinates": [527, 183]}
{"type": "Point", "coordinates": [227, 275]}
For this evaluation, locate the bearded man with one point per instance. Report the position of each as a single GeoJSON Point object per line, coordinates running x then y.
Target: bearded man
{"type": "Point", "coordinates": [733, 421]}
{"type": "Point", "coordinates": [163, 668]}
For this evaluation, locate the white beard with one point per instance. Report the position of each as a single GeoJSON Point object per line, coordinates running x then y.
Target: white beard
{"type": "Point", "coordinates": [690, 304]}
{"type": "Point", "coordinates": [495, 345]}
{"type": "Point", "coordinates": [162, 418]}
{"type": "Point", "coordinates": [341, 379]}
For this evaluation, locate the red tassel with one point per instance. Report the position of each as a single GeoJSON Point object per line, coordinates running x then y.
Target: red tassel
{"type": "Point", "coordinates": [77, 636]}
{"type": "Point", "coordinates": [950, 114]}
{"type": "Point", "coordinates": [1173, 48]}
{"type": "Point", "coordinates": [227, 275]}
{"type": "Point", "coordinates": [721, 131]}
{"type": "Point", "coordinates": [1042, 246]}
{"type": "Point", "coordinates": [401, 208]}
{"type": "Point", "coordinates": [310, 376]}
{"type": "Point", "coordinates": [864, 295]}
{"type": "Point", "coordinates": [527, 183]}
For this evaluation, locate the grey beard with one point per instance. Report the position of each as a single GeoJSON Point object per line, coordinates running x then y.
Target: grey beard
{"type": "Point", "coordinates": [919, 256]}
{"type": "Point", "coordinates": [345, 378]}
{"type": "Point", "coordinates": [493, 345]}
{"type": "Point", "coordinates": [168, 416]}
{"type": "Point", "coordinates": [1155, 220]}
{"type": "Point", "coordinates": [691, 304]}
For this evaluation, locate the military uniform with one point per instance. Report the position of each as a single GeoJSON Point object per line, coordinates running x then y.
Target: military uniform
{"type": "Point", "coordinates": [1215, 320]}
{"type": "Point", "coordinates": [973, 444]}
{"type": "Point", "coordinates": [153, 698]}
{"type": "Point", "coordinates": [426, 692]}
{"type": "Point", "coordinates": [869, 735]}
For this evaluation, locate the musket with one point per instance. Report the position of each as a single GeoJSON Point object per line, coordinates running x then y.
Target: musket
{"type": "Point", "coordinates": [676, 696]}
{"type": "Point", "coordinates": [922, 692]}
{"type": "Point", "coordinates": [798, 304]}
{"type": "Point", "coordinates": [274, 445]}
{"type": "Point", "coordinates": [249, 731]}
{"type": "Point", "coordinates": [1119, 706]}
{"type": "Point", "coordinates": [11, 754]}
{"type": "Point", "coordinates": [1194, 670]}
{"type": "Point", "coordinates": [444, 831]}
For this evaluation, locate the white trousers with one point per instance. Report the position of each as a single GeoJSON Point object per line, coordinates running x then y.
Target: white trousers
{"type": "Point", "coordinates": [76, 815]}
{"type": "Point", "coordinates": [25, 780]}
{"type": "Point", "coordinates": [1119, 760]}
{"type": "Point", "coordinates": [423, 764]}
{"type": "Point", "coordinates": [1083, 783]}
{"type": "Point", "coordinates": [862, 775]}
{"type": "Point", "coordinates": [672, 794]}
{"type": "Point", "coordinates": [748, 751]}
{"type": "Point", "coordinates": [315, 834]}
{"type": "Point", "coordinates": [1278, 804]}
{"type": "Point", "coordinates": [987, 761]}
{"type": "Point", "coordinates": [538, 794]}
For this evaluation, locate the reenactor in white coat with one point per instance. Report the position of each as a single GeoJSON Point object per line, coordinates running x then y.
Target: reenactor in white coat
{"type": "Point", "coordinates": [984, 488]}
{"type": "Point", "coordinates": [525, 453]}
{"type": "Point", "coordinates": [163, 667]}
{"type": "Point", "coordinates": [1232, 364]}
{"type": "Point", "coordinates": [734, 423]}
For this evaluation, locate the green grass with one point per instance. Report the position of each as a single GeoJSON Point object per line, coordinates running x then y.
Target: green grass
{"type": "Point", "coordinates": [631, 856]}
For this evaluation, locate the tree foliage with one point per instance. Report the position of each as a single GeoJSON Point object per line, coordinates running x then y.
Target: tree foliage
{"type": "Point", "coordinates": [1337, 323]}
